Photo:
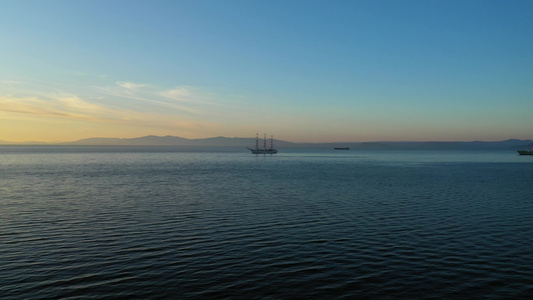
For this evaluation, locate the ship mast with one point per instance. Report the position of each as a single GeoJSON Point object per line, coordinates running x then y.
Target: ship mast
{"type": "Point", "coordinates": [257, 141]}
{"type": "Point", "coordinates": [265, 142]}
{"type": "Point", "coordinates": [271, 142]}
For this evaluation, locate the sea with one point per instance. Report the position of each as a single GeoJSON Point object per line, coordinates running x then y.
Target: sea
{"type": "Point", "coordinates": [210, 223]}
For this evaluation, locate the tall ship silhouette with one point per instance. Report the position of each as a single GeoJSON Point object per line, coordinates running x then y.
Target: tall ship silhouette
{"type": "Point", "coordinates": [265, 150]}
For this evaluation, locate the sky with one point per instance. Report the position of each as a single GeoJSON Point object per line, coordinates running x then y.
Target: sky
{"type": "Point", "coordinates": [302, 70]}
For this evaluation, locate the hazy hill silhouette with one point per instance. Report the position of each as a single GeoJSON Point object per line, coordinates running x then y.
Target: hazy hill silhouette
{"type": "Point", "coordinates": [220, 141]}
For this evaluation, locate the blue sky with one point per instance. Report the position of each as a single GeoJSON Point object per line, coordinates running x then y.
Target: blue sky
{"type": "Point", "coordinates": [305, 71]}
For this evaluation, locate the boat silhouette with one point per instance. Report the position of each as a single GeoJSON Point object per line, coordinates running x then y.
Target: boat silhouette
{"type": "Point", "coordinates": [265, 150]}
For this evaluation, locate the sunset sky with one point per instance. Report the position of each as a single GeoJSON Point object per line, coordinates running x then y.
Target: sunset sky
{"type": "Point", "coordinates": [303, 70]}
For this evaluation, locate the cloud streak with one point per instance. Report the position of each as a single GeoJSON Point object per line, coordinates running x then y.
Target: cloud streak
{"type": "Point", "coordinates": [40, 99]}
{"type": "Point", "coordinates": [180, 99]}
{"type": "Point", "coordinates": [74, 108]}
{"type": "Point", "coordinates": [59, 106]}
{"type": "Point", "coordinates": [126, 106]}
{"type": "Point", "coordinates": [130, 85]}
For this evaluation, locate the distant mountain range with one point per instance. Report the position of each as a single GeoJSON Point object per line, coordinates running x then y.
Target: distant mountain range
{"type": "Point", "coordinates": [220, 141]}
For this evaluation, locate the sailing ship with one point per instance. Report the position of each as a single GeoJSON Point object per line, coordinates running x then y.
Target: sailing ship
{"type": "Point", "coordinates": [257, 150]}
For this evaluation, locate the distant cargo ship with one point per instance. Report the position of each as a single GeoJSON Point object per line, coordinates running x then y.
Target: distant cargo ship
{"type": "Point", "coordinates": [525, 152]}
{"type": "Point", "coordinates": [342, 148]}
{"type": "Point", "coordinates": [257, 150]}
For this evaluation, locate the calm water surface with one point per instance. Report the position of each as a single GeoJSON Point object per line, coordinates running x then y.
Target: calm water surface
{"type": "Point", "coordinates": [157, 223]}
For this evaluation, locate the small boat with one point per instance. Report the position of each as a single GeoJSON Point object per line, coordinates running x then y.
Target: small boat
{"type": "Point", "coordinates": [257, 150]}
{"type": "Point", "coordinates": [342, 148]}
{"type": "Point", "coordinates": [525, 152]}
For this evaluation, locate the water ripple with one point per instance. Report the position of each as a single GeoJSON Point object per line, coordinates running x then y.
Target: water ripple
{"type": "Point", "coordinates": [197, 226]}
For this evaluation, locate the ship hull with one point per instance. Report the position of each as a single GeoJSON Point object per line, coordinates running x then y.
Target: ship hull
{"type": "Point", "coordinates": [525, 152]}
{"type": "Point", "coordinates": [263, 151]}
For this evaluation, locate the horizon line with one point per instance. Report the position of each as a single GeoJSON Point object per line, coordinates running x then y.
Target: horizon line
{"type": "Point", "coordinates": [3, 142]}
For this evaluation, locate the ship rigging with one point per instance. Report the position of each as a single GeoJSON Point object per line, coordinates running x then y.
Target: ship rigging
{"type": "Point", "coordinates": [265, 150]}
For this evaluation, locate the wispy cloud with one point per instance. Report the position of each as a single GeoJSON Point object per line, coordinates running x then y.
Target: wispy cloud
{"type": "Point", "coordinates": [131, 85]}
{"type": "Point", "coordinates": [178, 94]}
{"type": "Point", "coordinates": [180, 99]}
{"type": "Point", "coordinates": [73, 108]}
{"type": "Point", "coordinates": [10, 82]}
{"type": "Point", "coordinates": [58, 106]}
{"type": "Point", "coordinates": [178, 108]}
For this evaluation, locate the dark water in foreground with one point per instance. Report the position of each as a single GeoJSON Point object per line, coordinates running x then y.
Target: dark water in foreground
{"type": "Point", "coordinates": [152, 223]}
